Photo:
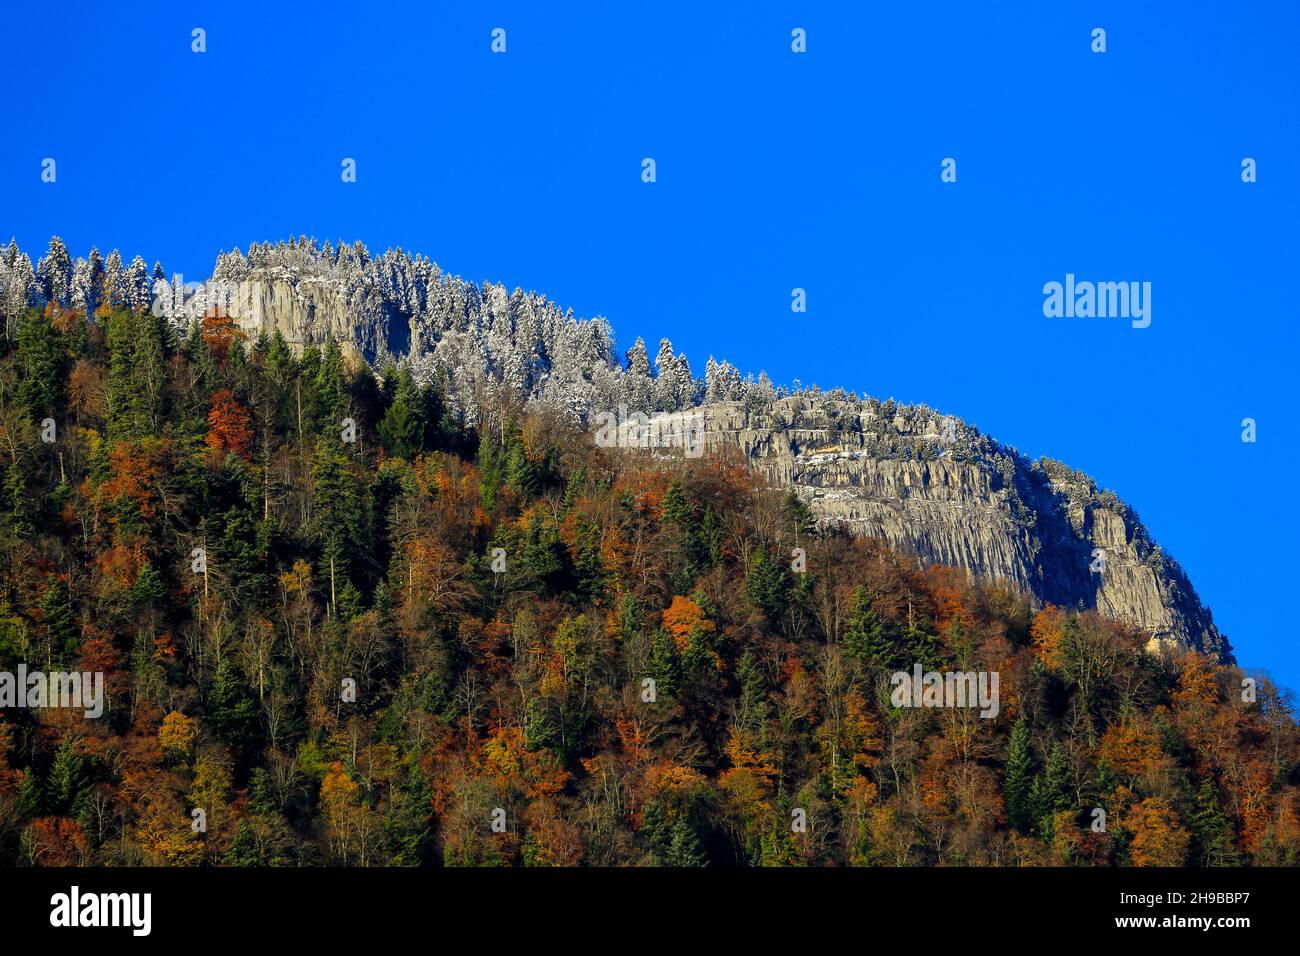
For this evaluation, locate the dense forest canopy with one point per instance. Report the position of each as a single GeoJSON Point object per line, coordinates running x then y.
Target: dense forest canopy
{"type": "Point", "coordinates": [338, 626]}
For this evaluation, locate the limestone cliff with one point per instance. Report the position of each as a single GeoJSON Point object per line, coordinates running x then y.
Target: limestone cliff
{"type": "Point", "coordinates": [936, 488]}
{"type": "Point", "coordinates": [926, 484]}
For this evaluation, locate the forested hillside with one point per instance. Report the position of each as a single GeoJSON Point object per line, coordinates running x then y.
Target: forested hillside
{"type": "Point", "coordinates": [339, 627]}
{"type": "Point", "coordinates": [928, 484]}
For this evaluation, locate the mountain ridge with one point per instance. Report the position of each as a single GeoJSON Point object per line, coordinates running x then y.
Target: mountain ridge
{"type": "Point", "coordinates": [928, 484]}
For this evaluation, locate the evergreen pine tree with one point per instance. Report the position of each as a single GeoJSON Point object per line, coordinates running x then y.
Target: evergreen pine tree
{"type": "Point", "coordinates": [401, 430]}
{"type": "Point", "coordinates": [59, 619]}
{"type": "Point", "coordinates": [42, 365]}
{"type": "Point", "coordinates": [231, 708]}
{"type": "Point", "coordinates": [752, 707]}
{"type": "Point", "coordinates": [491, 470]}
{"type": "Point", "coordinates": [865, 635]}
{"type": "Point", "coordinates": [629, 617]}
{"type": "Point", "coordinates": [922, 646]}
{"type": "Point", "coordinates": [1018, 783]}
{"type": "Point", "coordinates": [1053, 791]}
{"type": "Point", "coordinates": [31, 795]}
{"type": "Point", "coordinates": [67, 778]}
{"type": "Point", "coordinates": [20, 513]}
{"type": "Point", "coordinates": [148, 587]}
{"type": "Point", "coordinates": [521, 473]}
{"type": "Point", "coordinates": [1211, 830]}
{"type": "Point", "coordinates": [408, 824]}
{"type": "Point", "coordinates": [685, 850]}
{"type": "Point", "coordinates": [331, 391]}
{"type": "Point", "coordinates": [338, 519]}
{"type": "Point", "coordinates": [665, 664]}
{"type": "Point", "coordinates": [799, 517]}
{"type": "Point", "coordinates": [767, 586]}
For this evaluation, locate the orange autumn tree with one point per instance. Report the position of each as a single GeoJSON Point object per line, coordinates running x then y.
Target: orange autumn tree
{"type": "Point", "coordinates": [1131, 749]}
{"type": "Point", "coordinates": [685, 618]}
{"type": "Point", "coordinates": [176, 736]}
{"type": "Point", "coordinates": [55, 841]}
{"type": "Point", "coordinates": [1047, 630]}
{"type": "Point", "coordinates": [1158, 836]}
{"type": "Point", "coordinates": [219, 331]}
{"type": "Point", "coordinates": [229, 426]}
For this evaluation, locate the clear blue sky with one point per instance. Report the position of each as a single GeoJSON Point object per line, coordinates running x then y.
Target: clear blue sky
{"type": "Point", "coordinates": [775, 170]}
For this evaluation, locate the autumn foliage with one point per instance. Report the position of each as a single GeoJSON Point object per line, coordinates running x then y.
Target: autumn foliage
{"type": "Point", "coordinates": [229, 429]}
{"type": "Point", "coordinates": [488, 642]}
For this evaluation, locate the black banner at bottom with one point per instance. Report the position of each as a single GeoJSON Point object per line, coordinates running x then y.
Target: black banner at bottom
{"type": "Point", "coordinates": [334, 906]}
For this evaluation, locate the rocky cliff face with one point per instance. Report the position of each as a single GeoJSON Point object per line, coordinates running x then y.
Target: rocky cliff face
{"type": "Point", "coordinates": [935, 488]}
{"type": "Point", "coordinates": [926, 484]}
{"type": "Point", "coordinates": [309, 310]}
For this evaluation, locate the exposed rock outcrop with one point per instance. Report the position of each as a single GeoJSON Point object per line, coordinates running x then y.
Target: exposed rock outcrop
{"type": "Point", "coordinates": [938, 489]}
{"type": "Point", "coordinates": [926, 484]}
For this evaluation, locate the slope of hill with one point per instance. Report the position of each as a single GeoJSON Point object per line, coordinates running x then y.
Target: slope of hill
{"type": "Point", "coordinates": [328, 624]}
{"type": "Point", "coordinates": [927, 484]}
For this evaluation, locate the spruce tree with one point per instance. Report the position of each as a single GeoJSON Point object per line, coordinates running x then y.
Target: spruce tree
{"type": "Point", "coordinates": [1211, 830]}
{"type": "Point", "coordinates": [1018, 782]}
{"type": "Point", "coordinates": [521, 473]}
{"type": "Point", "coordinates": [59, 619]}
{"type": "Point", "coordinates": [401, 430]}
{"type": "Point", "coordinates": [922, 646]}
{"type": "Point", "coordinates": [31, 795]}
{"type": "Point", "coordinates": [42, 365]}
{"type": "Point", "coordinates": [20, 513]}
{"type": "Point", "coordinates": [752, 707]}
{"type": "Point", "coordinates": [331, 389]}
{"type": "Point", "coordinates": [338, 518]}
{"type": "Point", "coordinates": [767, 586]}
{"type": "Point", "coordinates": [629, 617]}
{"type": "Point", "coordinates": [685, 850]}
{"type": "Point", "coordinates": [67, 777]}
{"type": "Point", "coordinates": [1053, 791]}
{"type": "Point", "coordinates": [865, 635]}
{"type": "Point", "coordinates": [408, 823]}
{"type": "Point", "coordinates": [799, 517]}
{"type": "Point", "coordinates": [492, 471]}
{"type": "Point", "coordinates": [231, 708]}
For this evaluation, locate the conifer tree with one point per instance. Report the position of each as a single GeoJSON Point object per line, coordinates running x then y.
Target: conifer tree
{"type": "Point", "coordinates": [865, 635]}
{"type": "Point", "coordinates": [685, 850]}
{"type": "Point", "coordinates": [401, 430]}
{"type": "Point", "coordinates": [59, 618]}
{"type": "Point", "coordinates": [1211, 830]}
{"type": "Point", "coordinates": [1018, 785]}
{"type": "Point", "coordinates": [331, 388]}
{"type": "Point", "coordinates": [67, 777]}
{"type": "Point", "coordinates": [767, 586]}
{"type": "Point", "coordinates": [752, 708]}
{"type": "Point", "coordinates": [20, 510]}
{"type": "Point", "coordinates": [42, 365]}
{"type": "Point", "coordinates": [1053, 790]}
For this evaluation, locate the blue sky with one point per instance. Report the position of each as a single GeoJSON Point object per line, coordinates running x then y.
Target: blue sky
{"type": "Point", "coordinates": [775, 171]}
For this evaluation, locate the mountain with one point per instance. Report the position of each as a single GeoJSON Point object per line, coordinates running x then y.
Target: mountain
{"type": "Point", "coordinates": [885, 471]}
{"type": "Point", "coordinates": [927, 484]}
{"type": "Point", "coordinates": [265, 609]}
